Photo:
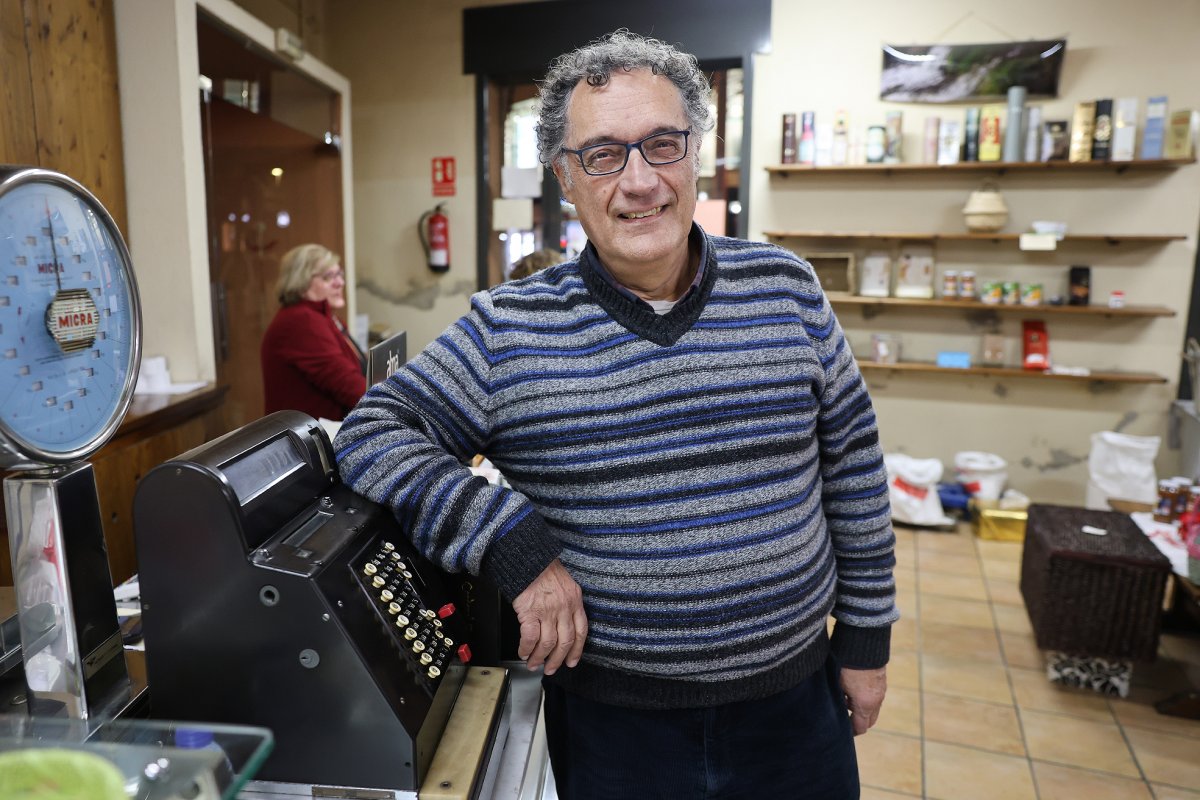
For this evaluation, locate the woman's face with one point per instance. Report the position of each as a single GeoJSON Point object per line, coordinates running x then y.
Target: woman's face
{"type": "Point", "coordinates": [329, 285]}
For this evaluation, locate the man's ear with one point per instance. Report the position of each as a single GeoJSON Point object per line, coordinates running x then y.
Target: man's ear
{"type": "Point", "coordinates": [564, 183]}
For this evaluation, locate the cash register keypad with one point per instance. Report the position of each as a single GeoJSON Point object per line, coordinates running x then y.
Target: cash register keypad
{"type": "Point", "coordinates": [416, 630]}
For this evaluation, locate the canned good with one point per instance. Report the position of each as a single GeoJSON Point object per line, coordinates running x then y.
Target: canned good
{"type": "Point", "coordinates": [1183, 496]}
{"type": "Point", "coordinates": [993, 293]}
{"type": "Point", "coordinates": [949, 284]}
{"type": "Point", "coordinates": [1116, 299]}
{"type": "Point", "coordinates": [1168, 491]}
{"type": "Point", "coordinates": [966, 285]}
{"type": "Point", "coordinates": [1010, 293]}
{"type": "Point", "coordinates": [1031, 294]}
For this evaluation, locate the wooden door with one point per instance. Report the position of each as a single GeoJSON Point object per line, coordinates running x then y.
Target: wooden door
{"type": "Point", "coordinates": [271, 185]}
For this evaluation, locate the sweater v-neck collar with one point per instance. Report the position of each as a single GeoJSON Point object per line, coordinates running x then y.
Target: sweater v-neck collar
{"type": "Point", "coordinates": [634, 314]}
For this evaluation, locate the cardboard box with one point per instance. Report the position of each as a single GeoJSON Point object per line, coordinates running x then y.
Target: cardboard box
{"type": "Point", "coordinates": [990, 522]}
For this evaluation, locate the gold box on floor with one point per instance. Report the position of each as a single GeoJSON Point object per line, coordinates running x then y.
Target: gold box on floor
{"type": "Point", "coordinates": [991, 522]}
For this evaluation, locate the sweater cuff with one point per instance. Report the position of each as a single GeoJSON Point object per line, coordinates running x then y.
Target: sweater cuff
{"type": "Point", "coordinates": [517, 558]}
{"type": "Point", "coordinates": [861, 648]}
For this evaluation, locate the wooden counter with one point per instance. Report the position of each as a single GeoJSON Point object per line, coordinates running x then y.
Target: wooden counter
{"type": "Point", "coordinates": [157, 428]}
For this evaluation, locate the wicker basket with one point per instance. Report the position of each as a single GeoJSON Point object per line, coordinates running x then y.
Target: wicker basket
{"type": "Point", "coordinates": [1092, 595]}
{"type": "Point", "coordinates": [985, 211]}
{"type": "Point", "coordinates": [986, 223]}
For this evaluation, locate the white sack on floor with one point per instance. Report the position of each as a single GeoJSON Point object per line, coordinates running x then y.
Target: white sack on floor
{"type": "Point", "coordinates": [1121, 466]}
{"type": "Point", "coordinates": [912, 490]}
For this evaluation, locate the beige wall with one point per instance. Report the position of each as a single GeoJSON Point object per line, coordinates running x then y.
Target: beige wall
{"type": "Point", "coordinates": [823, 60]}
{"type": "Point", "coordinates": [412, 103]}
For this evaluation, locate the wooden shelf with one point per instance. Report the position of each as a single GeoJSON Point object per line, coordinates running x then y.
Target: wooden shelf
{"type": "Point", "coordinates": [787, 170]}
{"type": "Point", "coordinates": [1014, 372]}
{"type": "Point", "coordinates": [1105, 238]}
{"type": "Point", "coordinates": [842, 298]}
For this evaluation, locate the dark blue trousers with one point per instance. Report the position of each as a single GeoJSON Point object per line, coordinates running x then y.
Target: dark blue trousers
{"type": "Point", "coordinates": [796, 744]}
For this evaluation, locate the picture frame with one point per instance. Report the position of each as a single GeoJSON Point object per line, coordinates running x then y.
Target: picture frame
{"type": "Point", "coordinates": [943, 73]}
{"type": "Point", "coordinates": [836, 271]}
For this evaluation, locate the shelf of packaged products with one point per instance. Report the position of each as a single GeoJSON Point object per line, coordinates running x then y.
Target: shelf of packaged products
{"type": "Point", "coordinates": [1105, 238]}
{"type": "Point", "coordinates": [787, 170]}
{"type": "Point", "coordinates": [842, 298]}
{"type": "Point", "coordinates": [1015, 372]}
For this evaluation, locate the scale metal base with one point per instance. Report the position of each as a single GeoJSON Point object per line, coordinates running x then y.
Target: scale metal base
{"type": "Point", "coordinates": [67, 615]}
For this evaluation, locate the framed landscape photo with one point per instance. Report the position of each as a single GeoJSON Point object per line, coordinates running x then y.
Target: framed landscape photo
{"type": "Point", "coordinates": [954, 73]}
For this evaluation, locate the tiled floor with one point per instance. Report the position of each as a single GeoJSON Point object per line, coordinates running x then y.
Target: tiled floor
{"type": "Point", "coordinates": [970, 715]}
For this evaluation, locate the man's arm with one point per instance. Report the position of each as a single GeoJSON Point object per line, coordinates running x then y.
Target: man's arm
{"type": "Point", "coordinates": [855, 500]}
{"type": "Point", "coordinates": [405, 446]}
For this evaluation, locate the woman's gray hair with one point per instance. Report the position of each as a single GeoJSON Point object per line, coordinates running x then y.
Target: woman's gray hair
{"type": "Point", "coordinates": [595, 62]}
{"type": "Point", "coordinates": [297, 269]}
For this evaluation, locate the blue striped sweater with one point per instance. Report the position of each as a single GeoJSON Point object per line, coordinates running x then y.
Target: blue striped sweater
{"type": "Point", "coordinates": [712, 477]}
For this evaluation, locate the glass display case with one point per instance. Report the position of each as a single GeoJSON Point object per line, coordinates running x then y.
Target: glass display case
{"type": "Point", "coordinates": [57, 759]}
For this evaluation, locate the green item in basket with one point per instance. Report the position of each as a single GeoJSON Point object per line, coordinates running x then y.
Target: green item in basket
{"type": "Point", "coordinates": [48, 773]}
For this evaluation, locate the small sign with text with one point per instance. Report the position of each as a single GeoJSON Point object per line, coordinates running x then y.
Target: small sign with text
{"type": "Point", "coordinates": [444, 176]}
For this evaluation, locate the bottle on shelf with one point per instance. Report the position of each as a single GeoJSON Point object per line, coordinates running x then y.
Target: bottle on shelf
{"type": "Point", "coordinates": [1014, 138]}
{"type": "Point", "coordinates": [806, 151]}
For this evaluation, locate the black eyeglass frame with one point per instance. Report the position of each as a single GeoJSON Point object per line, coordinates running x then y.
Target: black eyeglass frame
{"type": "Point", "coordinates": [628, 147]}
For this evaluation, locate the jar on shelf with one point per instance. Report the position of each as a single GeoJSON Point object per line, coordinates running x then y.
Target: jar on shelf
{"type": "Point", "coordinates": [966, 285]}
{"type": "Point", "coordinates": [949, 284]}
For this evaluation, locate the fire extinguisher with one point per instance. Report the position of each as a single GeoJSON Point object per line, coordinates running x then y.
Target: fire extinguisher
{"type": "Point", "coordinates": [434, 229]}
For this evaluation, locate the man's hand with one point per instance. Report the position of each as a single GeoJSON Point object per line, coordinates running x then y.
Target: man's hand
{"type": "Point", "coordinates": [553, 625]}
{"type": "Point", "coordinates": [864, 689]}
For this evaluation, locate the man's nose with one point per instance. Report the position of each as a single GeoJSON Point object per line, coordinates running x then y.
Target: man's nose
{"type": "Point", "coordinates": [638, 174]}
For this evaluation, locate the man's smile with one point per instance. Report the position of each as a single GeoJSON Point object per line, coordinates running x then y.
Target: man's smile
{"type": "Point", "coordinates": [651, 212]}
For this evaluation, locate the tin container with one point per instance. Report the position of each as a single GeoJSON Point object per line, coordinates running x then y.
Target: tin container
{"type": "Point", "coordinates": [1010, 293]}
{"type": "Point", "coordinates": [993, 293]}
{"type": "Point", "coordinates": [1031, 294]}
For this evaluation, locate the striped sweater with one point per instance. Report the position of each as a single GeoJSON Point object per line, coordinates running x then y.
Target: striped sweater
{"type": "Point", "coordinates": [711, 477]}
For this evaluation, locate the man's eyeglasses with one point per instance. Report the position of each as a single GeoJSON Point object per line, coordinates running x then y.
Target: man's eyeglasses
{"type": "Point", "coordinates": [658, 149]}
{"type": "Point", "coordinates": [331, 275]}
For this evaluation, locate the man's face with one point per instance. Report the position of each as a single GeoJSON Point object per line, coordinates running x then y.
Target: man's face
{"type": "Point", "coordinates": [638, 218]}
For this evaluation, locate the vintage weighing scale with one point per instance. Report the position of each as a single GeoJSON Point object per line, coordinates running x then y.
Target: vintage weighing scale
{"type": "Point", "coordinates": [70, 346]}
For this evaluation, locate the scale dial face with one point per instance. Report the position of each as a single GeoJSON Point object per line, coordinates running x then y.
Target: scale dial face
{"type": "Point", "coordinates": [70, 322]}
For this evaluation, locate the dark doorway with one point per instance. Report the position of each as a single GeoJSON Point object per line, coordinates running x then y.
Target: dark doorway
{"type": "Point", "coordinates": [509, 47]}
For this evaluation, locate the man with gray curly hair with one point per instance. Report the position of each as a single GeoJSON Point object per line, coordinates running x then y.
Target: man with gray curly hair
{"type": "Point", "coordinates": [696, 485]}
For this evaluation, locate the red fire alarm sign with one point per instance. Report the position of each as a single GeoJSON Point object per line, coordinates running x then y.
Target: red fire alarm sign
{"type": "Point", "coordinates": [443, 177]}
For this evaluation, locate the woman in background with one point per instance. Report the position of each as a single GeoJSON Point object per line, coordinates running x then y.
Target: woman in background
{"type": "Point", "coordinates": [309, 361]}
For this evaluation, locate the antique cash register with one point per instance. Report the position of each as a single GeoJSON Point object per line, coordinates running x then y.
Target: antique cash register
{"type": "Point", "coordinates": [273, 595]}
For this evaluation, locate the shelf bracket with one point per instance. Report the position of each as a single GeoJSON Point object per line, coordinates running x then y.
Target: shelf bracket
{"type": "Point", "coordinates": [871, 312]}
{"type": "Point", "coordinates": [984, 319]}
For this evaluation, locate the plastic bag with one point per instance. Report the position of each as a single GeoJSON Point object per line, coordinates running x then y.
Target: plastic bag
{"type": "Point", "coordinates": [912, 489]}
{"type": "Point", "coordinates": [982, 474]}
{"type": "Point", "coordinates": [1121, 466]}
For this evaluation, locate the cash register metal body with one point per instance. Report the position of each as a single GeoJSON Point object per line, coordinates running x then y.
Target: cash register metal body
{"type": "Point", "coordinates": [273, 595]}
